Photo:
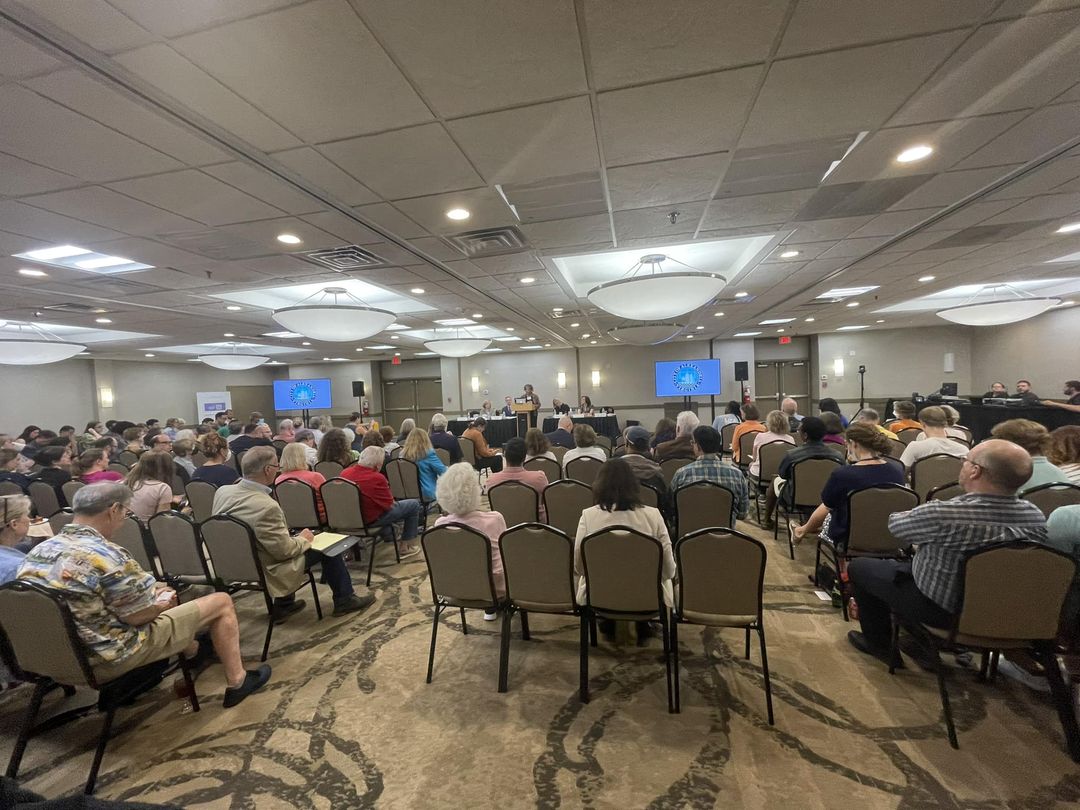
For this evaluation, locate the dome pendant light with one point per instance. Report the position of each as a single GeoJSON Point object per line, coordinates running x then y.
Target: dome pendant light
{"type": "Point", "coordinates": [458, 346]}
{"type": "Point", "coordinates": [653, 295]}
{"type": "Point", "coordinates": [234, 360]}
{"type": "Point", "coordinates": [334, 321]}
{"type": "Point", "coordinates": [645, 334]}
{"type": "Point", "coordinates": [993, 313]}
{"type": "Point", "coordinates": [34, 346]}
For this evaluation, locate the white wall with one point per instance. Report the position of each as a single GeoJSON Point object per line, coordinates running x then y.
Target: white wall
{"type": "Point", "coordinates": [1045, 350]}
{"type": "Point", "coordinates": [47, 396]}
{"type": "Point", "coordinates": [503, 374]}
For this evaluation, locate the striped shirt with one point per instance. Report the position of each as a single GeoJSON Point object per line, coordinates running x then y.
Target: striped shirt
{"type": "Point", "coordinates": [947, 530]}
{"type": "Point", "coordinates": [710, 467]}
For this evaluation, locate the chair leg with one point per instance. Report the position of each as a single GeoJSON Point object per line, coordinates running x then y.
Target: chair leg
{"type": "Point", "coordinates": [397, 551]}
{"type": "Point", "coordinates": [434, 634]}
{"type": "Point", "coordinates": [189, 682]}
{"type": "Point", "coordinates": [28, 723]}
{"type": "Point", "coordinates": [315, 596]}
{"type": "Point", "coordinates": [776, 522]}
{"type": "Point", "coordinates": [939, 668]}
{"type": "Point", "coordinates": [675, 661]}
{"type": "Point", "coordinates": [269, 632]}
{"type": "Point", "coordinates": [504, 648]}
{"type": "Point", "coordinates": [984, 665]}
{"type": "Point", "coordinates": [817, 558]}
{"type": "Point", "coordinates": [583, 689]}
{"type": "Point", "coordinates": [371, 560]}
{"type": "Point", "coordinates": [99, 754]}
{"type": "Point", "coordinates": [464, 626]}
{"type": "Point", "coordinates": [1062, 700]}
{"type": "Point", "coordinates": [524, 625]}
{"type": "Point", "coordinates": [995, 657]}
{"type": "Point", "coordinates": [664, 616]}
{"type": "Point", "coordinates": [894, 648]}
{"type": "Point", "coordinates": [747, 643]}
{"type": "Point", "coordinates": [765, 671]}
{"type": "Point", "coordinates": [592, 630]}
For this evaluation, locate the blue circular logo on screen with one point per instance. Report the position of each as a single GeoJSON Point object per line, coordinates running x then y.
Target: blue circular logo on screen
{"type": "Point", "coordinates": [302, 394]}
{"type": "Point", "coordinates": [687, 378]}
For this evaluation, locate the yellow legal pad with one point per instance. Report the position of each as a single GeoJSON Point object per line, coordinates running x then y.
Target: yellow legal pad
{"type": "Point", "coordinates": [323, 540]}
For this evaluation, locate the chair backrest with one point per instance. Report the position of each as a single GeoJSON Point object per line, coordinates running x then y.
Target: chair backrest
{"type": "Point", "coordinates": [444, 455]}
{"type": "Point", "coordinates": [59, 520]}
{"type": "Point", "coordinates": [649, 495]}
{"type": "Point", "coordinates": [404, 478]}
{"type": "Point", "coordinates": [746, 448]}
{"type": "Point", "coordinates": [10, 488]}
{"type": "Point", "coordinates": [328, 469]}
{"type": "Point", "coordinates": [604, 441]}
{"type": "Point", "coordinates": [896, 447]}
{"type": "Point", "coordinates": [127, 458]}
{"type": "Point", "coordinates": [41, 634]}
{"type": "Point", "coordinates": [341, 499]}
{"type": "Point", "coordinates": [583, 469]}
{"type": "Point", "coordinates": [131, 536]}
{"type": "Point", "coordinates": [670, 466]}
{"type": "Point", "coordinates": [933, 471]}
{"type": "Point", "coordinates": [945, 492]}
{"type": "Point", "coordinates": [43, 496]}
{"type": "Point", "coordinates": [297, 499]}
{"type": "Point", "coordinates": [396, 452]}
{"type": "Point", "coordinates": [1014, 590]}
{"type": "Point", "coordinates": [230, 544]}
{"type": "Point", "coordinates": [459, 563]}
{"type": "Point", "coordinates": [552, 469]}
{"type": "Point", "coordinates": [564, 501]}
{"type": "Point", "coordinates": [1049, 497]}
{"type": "Point", "coordinates": [770, 455]}
{"type": "Point", "coordinates": [179, 479]}
{"type": "Point", "coordinates": [559, 452]}
{"type": "Point", "coordinates": [808, 478]}
{"type": "Point", "coordinates": [516, 502]}
{"type": "Point", "coordinates": [200, 495]}
{"type": "Point", "coordinates": [69, 489]}
{"type": "Point", "coordinates": [622, 571]}
{"type": "Point", "coordinates": [468, 450]}
{"type": "Point", "coordinates": [237, 459]}
{"type": "Point", "coordinates": [703, 505]}
{"type": "Point", "coordinates": [198, 458]}
{"type": "Point", "coordinates": [117, 467]}
{"type": "Point", "coordinates": [178, 545]}
{"type": "Point", "coordinates": [726, 434]}
{"type": "Point", "coordinates": [868, 517]}
{"type": "Point", "coordinates": [538, 562]}
{"type": "Point", "coordinates": [907, 435]}
{"type": "Point", "coordinates": [279, 445]}
{"type": "Point", "coordinates": [721, 573]}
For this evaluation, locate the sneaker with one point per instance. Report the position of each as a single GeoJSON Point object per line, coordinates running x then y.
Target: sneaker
{"type": "Point", "coordinates": [406, 550]}
{"type": "Point", "coordinates": [491, 615]}
{"type": "Point", "coordinates": [281, 612]}
{"type": "Point", "coordinates": [254, 681]}
{"type": "Point", "coordinates": [863, 645]}
{"type": "Point", "coordinates": [353, 604]}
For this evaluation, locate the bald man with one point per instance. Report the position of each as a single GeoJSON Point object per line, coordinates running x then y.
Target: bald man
{"type": "Point", "coordinates": [927, 588]}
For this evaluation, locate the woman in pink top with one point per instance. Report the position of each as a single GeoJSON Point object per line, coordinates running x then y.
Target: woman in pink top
{"type": "Point", "coordinates": [92, 467]}
{"type": "Point", "coordinates": [777, 430]}
{"type": "Point", "coordinates": [150, 479]}
{"type": "Point", "coordinates": [294, 466]}
{"type": "Point", "coordinates": [458, 492]}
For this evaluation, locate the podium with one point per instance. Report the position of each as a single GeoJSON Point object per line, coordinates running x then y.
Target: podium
{"type": "Point", "coordinates": [524, 410]}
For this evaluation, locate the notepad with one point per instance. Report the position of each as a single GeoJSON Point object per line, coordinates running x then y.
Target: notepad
{"type": "Point", "coordinates": [324, 540]}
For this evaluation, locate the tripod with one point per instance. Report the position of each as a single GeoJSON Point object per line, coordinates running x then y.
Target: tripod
{"type": "Point", "coordinates": [862, 387]}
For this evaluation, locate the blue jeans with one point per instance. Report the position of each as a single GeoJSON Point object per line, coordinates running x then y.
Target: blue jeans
{"type": "Point", "coordinates": [408, 511]}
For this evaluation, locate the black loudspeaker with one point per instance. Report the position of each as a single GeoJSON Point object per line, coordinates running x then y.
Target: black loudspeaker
{"type": "Point", "coordinates": [358, 388]}
{"type": "Point", "coordinates": [742, 371]}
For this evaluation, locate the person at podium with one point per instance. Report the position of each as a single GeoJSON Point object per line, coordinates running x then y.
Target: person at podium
{"type": "Point", "coordinates": [532, 396]}
{"type": "Point", "coordinates": [997, 391]}
{"type": "Point", "coordinates": [1072, 397]}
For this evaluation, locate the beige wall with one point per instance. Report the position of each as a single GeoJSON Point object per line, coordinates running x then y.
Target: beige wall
{"type": "Point", "coordinates": [48, 396]}
{"type": "Point", "coordinates": [341, 376]}
{"type": "Point", "coordinates": [1045, 350]}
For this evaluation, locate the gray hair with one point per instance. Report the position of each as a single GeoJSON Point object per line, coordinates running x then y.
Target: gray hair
{"type": "Point", "coordinates": [685, 423]}
{"type": "Point", "coordinates": [566, 423]}
{"type": "Point", "coordinates": [283, 424]}
{"type": "Point", "coordinates": [951, 414]}
{"type": "Point", "coordinates": [256, 459]}
{"type": "Point", "coordinates": [372, 457]}
{"type": "Point", "coordinates": [15, 507]}
{"type": "Point", "coordinates": [186, 433]}
{"type": "Point", "coordinates": [350, 435]}
{"type": "Point", "coordinates": [457, 489]}
{"type": "Point", "coordinates": [315, 422]}
{"type": "Point", "coordinates": [94, 499]}
{"type": "Point", "coordinates": [789, 406]}
{"type": "Point", "coordinates": [303, 435]}
{"type": "Point", "coordinates": [439, 421]}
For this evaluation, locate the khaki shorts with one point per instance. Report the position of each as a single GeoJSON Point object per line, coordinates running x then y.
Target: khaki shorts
{"type": "Point", "coordinates": [167, 635]}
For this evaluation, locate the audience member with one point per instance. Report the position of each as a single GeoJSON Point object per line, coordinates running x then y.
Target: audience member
{"type": "Point", "coordinates": [790, 409]}
{"type": "Point", "coordinates": [584, 446]}
{"type": "Point", "coordinates": [905, 416]}
{"type": "Point", "coordinates": [663, 432]}
{"type": "Point", "coordinates": [294, 467]}
{"type": "Point", "coordinates": [834, 429]}
{"type": "Point", "coordinates": [256, 434]}
{"type": "Point", "coordinates": [514, 455]}
{"type": "Point", "coordinates": [828, 405]}
{"type": "Point", "coordinates": [927, 588]}
{"type": "Point", "coordinates": [377, 502]}
{"type": "Point", "coordinates": [306, 438]}
{"type": "Point", "coordinates": [389, 439]}
{"type": "Point", "coordinates": [41, 439]}
{"type": "Point", "coordinates": [730, 416]}
{"type": "Point", "coordinates": [418, 450]}
{"type": "Point", "coordinates": [442, 438]}
{"type": "Point", "coordinates": [406, 426]}
{"type": "Point", "coordinates": [15, 467]}
{"type": "Point", "coordinates": [777, 430]}
{"type": "Point", "coordinates": [751, 423]}
{"type": "Point", "coordinates": [15, 526]}
{"type": "Point", "coordinates": [133, 439]}
{"type": "Point", "coordinates": [355, 442]}
{"type": "Point", "coordinates": [1035, 439]}
{"type": "Point", "coordinates": [486, 457]}
{"type": "Point", "coordinates": [373, 438]}
{"type": "Point", "coordinates": [537, 445]}
{"type": "Point", "coordinates": [647, 471]}
{"type": "Point", "coordinates": [126, 618]}
{"type": "Point", "coordinates": [182, 449]}
{"type": "Point", "coordinates": [93, 432]}
{"type": "Point", "coordinates": [1064, 451]}
{"type": "Point", "coordinates": [869, 416]}
{"type": "Point", "coordinates": [563, 435]}
{"type": "Point", "coordinates": [318, 425]}
{"type": "Point", "coordinates": [812, 429]}
{"type": "Point", "coordinates": [709, 466]}
{"type": "Point", "coordinates": [92, 467]}
{"type": "Point", "coordinates": [150, 482]}
{"type": "Point", "coordinates": [29, 433]}
{"type": "Point", "coordinates": [215, 470]}
{"type": "Point", "coordinates": [682, 446]}
{"type": "Point", "coordinates": [286, 431]}
{"type": "Point", "coordinates": [55, 462]}
{"type": "Point", "coordinates": [159, 441]}
{"type": "Point", "coordinates": [934, 439]}
{"type": "Point", "coordinates": [173, 425]}
{"type": "Point", "coordinates": [336, 447]}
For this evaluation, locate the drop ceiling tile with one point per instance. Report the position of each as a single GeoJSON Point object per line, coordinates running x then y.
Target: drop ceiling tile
{"type": "Point", "coordinates": [19, 58]}
{"type": "Point", "coordinates": [799, 99]}
{"type": "Point", "coordinates": [95, 22]}
{"type": "Point", "coordinates": [19, 177]}
{"type": "Point", "coordinates": [391, 219]}
{"type": "Point", "coordinates": [198, 196]}
{"type": "Point", "coordinates": [666, 181]}
{"type": "Point", "coordinates": [1050, 206]}
{"type": "Point", "coordinates": [171, 279]}
{"type": "Point", "coordinates": [264, 234]}
{"type": "Point", "coordinates": [567, 233]}
{"type": "Point", "coordinates": [301, 66]}
{"type": "Point", "coordinates": [654, 222]}
{"type": "Point", "coordinates": [506, 55]}
{"type": "Point", "coordinates": [395, 255]}
{"type": "Point", "coordinates": [262, 185]}
{"type": "Point", "coordinates": [892, 223]}
{"type": "Point", "coordinates": [174, 19]}
{"type": "Point", "coordinates": [405, 163]}
{"type": "Point", "coordinates": [486, 206]}
{"type": "Point", "coordinates": [50, 228]}
{"type": "Point", "coordinates": [1054, 175]}
{"type": "Point", "coordinates": [699, 115]}
{"type": "Point", "coordinates": [102, 206]}
{"type": "Point", "coordinates": [171, 73]}
{"type": "Point", "coordinates": [345, 228]}
{"type": "Point", "coordinates": [852, 248]}
{"type": "Point", "coordinates": [1003, 66]}
{"type": "Point", "coordinates": [514, 263]}
{"type": "Point", "coordinates": [528, 143]}
{"type": "Point", "coordinates": [148, 251]}
{"type": "Point", "coordinates": [972, 214]}
{"type": "Point", "coordinates": [436, 248]}
{"type": "Point", "coordinates": [317, 170]}
{"type": "Point", "coordinates": [828, 230]}
{"type": "Point", "coordinates": [946, 189]}
{"type": "Point", "coordinates": [632, 43]}
{"type": "Point", "coordinates": [755, 210]}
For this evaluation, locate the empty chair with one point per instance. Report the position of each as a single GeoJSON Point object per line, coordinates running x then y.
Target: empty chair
{"type": "Point", "coordinates": [179, 548]}
{"type": "Point", "coordinates": [703, 505]}
{"type": "Point", "coordinates": [298, 502]}
{"type": "Point", "coordinates": [234, 555]}
{"type": "Point", "coordinates": [721, 581]}
{"type": "Point", "coordinates": [516, 502]}
{"type": "Point", "coordinates": [908, 435]}
{"type": "Point", "coordinates": [746, 449]}
{"type": "Point", "coordinates": [44, 497]}
{"type": "Point", "coordinates": [670, 466]}
{"type": "Point", "coordinates": [727, 432]}
{"type": "Point", "coordinates": [342, 501]}
{"type": "Point", "coordinates": [69, 488]}
{"type": "Point", "coordinates": [564, 501]}
{"type": "Point", "coordinates": [583, 469]}
{"type": "Point", "coordinates": [328, 469]}
{"type": "Point", "coordinates": [200, 495]}
{"type": "Point", "coordinates": [58, 520]}
{"type": "Point", "coordinates": [43, 644]}
{"type": "Point", "coordinates": [10, 488]}
{"type": "Point", "coordinates": [131, 536]}
{"type": "Point", "coordinates": [807, 479]}
{"type": "Point", "coordinates": [1049, 497]}
{"type": "Point", "coordinates": [459, 572]}
{"type": "Point", "coordinates": [945, 492]}
{"type": "Point", "coordinates": [933, 471]}
{"type": "Point", "coordinates": [552, 469]}
{"type": "Point", "coordinates": [468, 450]}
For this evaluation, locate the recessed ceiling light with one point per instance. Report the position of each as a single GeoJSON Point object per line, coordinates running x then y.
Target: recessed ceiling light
{"type": "Point", "coordinates": [509, 339]}
{"type": "Point", "coordinates": [839, 293]}
{"type": "Point", "coordinates": [458, 214]}
{"type": "Point", "coordinates": [148, 354]}
{"type": "Point", "coordinates": [689, 337]}
{"type": "Point", "coordinates": [914, 153]}
{"type": "Point", "coordinates": [789, 254]}
{"type": "Point", "coordinates": [102, 320]}
{"type": "Point", "coordinates": [532, 338]}
{"type": "Point", "coordinates": [233, 308]}
{"type": "Point", "coordinates": [718, 314]}
{"type": "Point", "coordinates": [395, 337]}
{"type": "Point", "coordinates": [29, 271]}
{"type": "Point", "coordinates": [781, 329]}
{"type": "Point", "coordinates": [1072, 227]}
{"type": "Point", "coordinates": [510, 329]}
{"type": "Point", "coordinates": [850, 328]}
{"type": "Point", "coordinates": [583, 337]}
{"type": "Point", "coordinates": [417, 291]}
{"type": "Point", "coordinates": [880, 320]}
{"type": "Point", "coordinates": [60, 252]}
{"type": "Point", "coordinates": [282, 335]}
{"type": "Point", "coordinates": [477, 315]}
{"type": "Point", "coordinates": [546, 345]}
{"type": "Point", "coordinates": [78, 258]}
{"type": "Point", "coordinates": [532, 347]}
{"type": "Point", "coordinates": [397, 354]}
{"type": "Point", "coordinates": [359, 348]}
{"type": "Point", "coordinates": [853, 304]}
{"type": "Point", "coordinates": [528, 280]}
{"type": "Point", "coordinates": [382, 348]}
{"type": "Point", "coordinates": [455, 321]}
{"type": "Point", "coordinates": [746, 334]}
{"type": "Point", "coordinates": [575, 325]}
{"type": "Point", "coordinates": [741, 294]}
{"type": "Point", "coordinates": [809, 320]}
{"type": "Point", "coordinates": [102, 261]}
{"type": "Point", "coordinates": [229, 334]}
{"type": "Point", "coordinates": [592, 342]}
{"type": "Point", "coordinates": [556, 309]}
{"type": "Point", "coordinates": [925, 279]}
{"type": "Point", "coordinates": [305, 343]}
{"type": "Point", "coordinates": [289, 239]}
{"type": "Point", "coordinates": [699, 328]}
{"type": "Point", "coordinates": [772, 321]}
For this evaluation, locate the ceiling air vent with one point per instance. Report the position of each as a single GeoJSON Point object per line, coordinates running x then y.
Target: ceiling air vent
{"type": "Point", "coordinates": [75, 309]}
{"type": "Point", "coordinates": [489, 242]}
{"type": "Point", "coordinates": [344, 258]}
{"type": "Point", "coordinates": [573, 313]}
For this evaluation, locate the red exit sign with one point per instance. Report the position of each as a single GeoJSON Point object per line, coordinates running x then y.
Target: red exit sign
{"type": "Point", "coordinates": [396, 361]}
{"type": "Point", "coordinates": [784, 340]}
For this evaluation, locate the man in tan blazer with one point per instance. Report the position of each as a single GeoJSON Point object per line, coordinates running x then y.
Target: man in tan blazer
{"type": "Point", "coordinates": [284, 557]}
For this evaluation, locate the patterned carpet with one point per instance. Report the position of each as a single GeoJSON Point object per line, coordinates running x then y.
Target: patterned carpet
{"type": "Point", "coordinates": [348, 722]}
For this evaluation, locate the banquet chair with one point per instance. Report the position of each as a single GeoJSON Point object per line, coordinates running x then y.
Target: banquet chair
{"type": "Point", "coordinates": [808, 479]}
{"type": "Point", "coordinates": [703, 505]}
{"type": "Point", "coordinates": [769, 456]}
{"type": "Point", "coordinates": [564, 501]}
{"type": "Point", "coordinates": [670, 466]}
{"type": "Point", "coordinates": [552, 469]}
{"type": "Point", "coordinates": [444, 455]}
{"type": "Point", "coordinates": [58, 520]}
{"type": "Point", "coordinates": [933, 471]}
{"type": "Point", "coordinates": [200, 495]}
{"type": "Point", "coordinates": [69, 488]}
{"type": "Point", "coordinates": [175, 538]}
{"type": "Point", "coordinates": [132, 537]}
{"type": "Point", "coordinates": [516, 502]}
{"type": "Point", "coordinates": [328, 469]}
{"type": "Point", "coordinates": [584, 469]}
{"type": "Point", "coordinates": [344, 514]}
{"type": "Point", "coordinates": [43, 496]}
{"type": "Point", "coordinates": [944, 492]}
{"type": "Point", "coordinates": [1049, 497]}
{"type": "Point", "coordinates": [726, 432]}
{"type": "Point", "coordinates": [298, 502]}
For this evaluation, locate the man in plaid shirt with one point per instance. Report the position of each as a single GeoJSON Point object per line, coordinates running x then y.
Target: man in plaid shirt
{"type": "Point", "coordinates": [926, 589]}
{"type": "Point", "coordinates": [707, 445]}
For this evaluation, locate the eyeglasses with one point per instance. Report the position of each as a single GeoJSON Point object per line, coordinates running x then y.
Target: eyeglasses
{"type": "Point", "coordinates": [972, 463]}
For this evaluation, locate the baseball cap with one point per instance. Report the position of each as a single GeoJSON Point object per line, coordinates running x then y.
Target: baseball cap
{"type": "Point", "coordinates": [638, 435]}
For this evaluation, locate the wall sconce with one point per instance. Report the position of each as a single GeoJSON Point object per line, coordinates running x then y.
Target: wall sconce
{"type": "Point", "coordinates": [105, 397]}
{"type": "Point", "coordinates": [838, 367]}
{"type": "Point", "coordinates": [474, 383]}
{"type": "Point", "coordinates": [561, 378]}
{"type": "Point", "coordinates": [596, 379]}
{"type": "Point", "coordinates": [950, 363]}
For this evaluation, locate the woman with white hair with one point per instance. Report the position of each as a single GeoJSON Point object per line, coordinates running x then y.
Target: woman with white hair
{"type": "Point", "coordinates": [286, 431]}
{"type": "Point", "coordinates": [15, 526]}
{"type": "Point", "coordinates": [682, 446]}
{"type": "Point", "coordinates": [458, 492]}
{"type": "Point", "coordinates": [406, 426]}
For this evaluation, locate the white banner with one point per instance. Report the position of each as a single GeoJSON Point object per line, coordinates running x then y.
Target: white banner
{"type": "Point", "coordinates": [209, 403]}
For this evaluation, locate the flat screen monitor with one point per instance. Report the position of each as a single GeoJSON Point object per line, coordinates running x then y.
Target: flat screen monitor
{"type": "Point", "coordinates": [948, 389]}
{"type": "Point", "coordinates": [688, 378]}
{"type": "Point", "coordinates": [299, 395]}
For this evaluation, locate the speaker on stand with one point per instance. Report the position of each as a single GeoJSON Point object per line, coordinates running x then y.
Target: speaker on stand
{"type": "Point", "coordinates": [742, 374]}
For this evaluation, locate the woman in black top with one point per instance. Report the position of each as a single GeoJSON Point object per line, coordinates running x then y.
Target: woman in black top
{"type": "Point", "coordinates": [586, 405]}
{"type": "Point", "coordinates": [54, 463]}
{"type": "Point", "coordinates": [215, 470]}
